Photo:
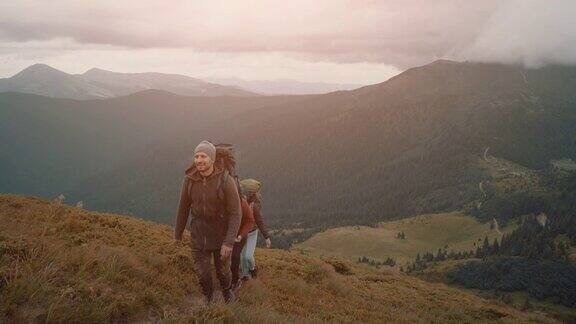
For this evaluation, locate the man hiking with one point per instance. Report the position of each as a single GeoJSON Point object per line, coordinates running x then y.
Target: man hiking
{"type": "Point", "coordinates": [211, 196]}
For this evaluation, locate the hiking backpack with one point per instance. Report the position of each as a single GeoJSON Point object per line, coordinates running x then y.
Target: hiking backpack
{"type": "Point", "coordinates": [225, 160]}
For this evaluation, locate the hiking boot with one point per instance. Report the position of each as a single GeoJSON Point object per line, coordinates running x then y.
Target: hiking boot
{"type": "Point", "coordinates": [228, 295]}
{"type": "Point", "coordinates": [254, 273]}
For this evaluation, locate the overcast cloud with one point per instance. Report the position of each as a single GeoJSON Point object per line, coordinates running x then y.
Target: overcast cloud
{"type": "Point", "coordinates": [363, 41]}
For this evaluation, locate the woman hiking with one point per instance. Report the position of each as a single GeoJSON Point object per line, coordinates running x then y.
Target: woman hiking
{"type": "Point", "coordinates": [246, 225]}
{"type": "Point", "coordinates": [251, 189]}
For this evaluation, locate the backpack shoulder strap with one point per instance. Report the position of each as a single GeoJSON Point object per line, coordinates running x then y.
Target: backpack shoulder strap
{"type": "Point", "coordinates": [221, 193]}
{"type": "Point", "coordinates": [190, 184]}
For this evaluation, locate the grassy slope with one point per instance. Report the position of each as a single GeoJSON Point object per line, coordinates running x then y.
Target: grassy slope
{"type": "Point", "coordinates": [508, 176]}
{"type": "Point", "coordinates": [64, 264]}
{"type": "Point", "coordinates": [425, 233]}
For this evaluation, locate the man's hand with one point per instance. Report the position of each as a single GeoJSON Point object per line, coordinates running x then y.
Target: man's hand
{"type": "Point", "coordinates": [238, 239]}
{"type": "Point", "coordinates": [225, 252]}
{"type": "Point", "coordinates": [268, 243]}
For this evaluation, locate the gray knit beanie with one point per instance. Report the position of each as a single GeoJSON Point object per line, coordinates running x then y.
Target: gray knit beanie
{"type": "Point", "coordinates": [206, 148]}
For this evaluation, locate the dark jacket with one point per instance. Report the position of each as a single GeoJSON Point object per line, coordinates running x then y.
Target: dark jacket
{"type": "Point", "coordinates": [256, 204]}
{"type": "Point", "coordinates": [214, 222]}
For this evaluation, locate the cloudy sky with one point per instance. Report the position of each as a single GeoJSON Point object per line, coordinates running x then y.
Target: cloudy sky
{"type": "Point", "coordinates": [337, 41]}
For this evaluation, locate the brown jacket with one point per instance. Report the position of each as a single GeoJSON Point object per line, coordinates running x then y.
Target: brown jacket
{"type": "Point", "coordinates": [256, 205]}
{"type": "Point", "coordinates": [247, 222]}
{"type": "Point", "coordinates": [259, 219]}
{"type": "Point", "coordinates": [213, 223]}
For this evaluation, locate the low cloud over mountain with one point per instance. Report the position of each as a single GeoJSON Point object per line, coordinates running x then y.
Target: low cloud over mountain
{"type": "Point", "coordinates": [296, 39]}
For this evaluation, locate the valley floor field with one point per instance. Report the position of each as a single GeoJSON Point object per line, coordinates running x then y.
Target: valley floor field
{"type": "Point", "coordinates": [424, 233]}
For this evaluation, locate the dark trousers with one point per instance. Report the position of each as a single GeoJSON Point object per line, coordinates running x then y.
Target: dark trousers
{"type": "Point", "coordinates": [236, 251]}
{"type": "Point", "coordinates": [202, 267]}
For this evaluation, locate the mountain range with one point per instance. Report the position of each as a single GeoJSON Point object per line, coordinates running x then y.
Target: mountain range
{"type": "Point", "coordinates": [284, 86]}
{"type": "Point", "coordinates": [44, 80]}
{"type": "Point", "coordinates": [407, 146]}
{"type": "Point", "coordinates": [41, 79]}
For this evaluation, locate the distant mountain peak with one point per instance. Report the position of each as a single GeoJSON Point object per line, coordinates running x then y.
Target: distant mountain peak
{"type": "Point", "coordinates": [444, 62]}
{"type": "Point", "coordinates": [96, 70]}
{"type": "Point", "coordinates": [100, 73]}
{"type": "Point", "coordinates": [39, 69]}
{"type": "Point", "coordinates": [97, 83]}
{"type": "Point", "coordinates": [151, 93]}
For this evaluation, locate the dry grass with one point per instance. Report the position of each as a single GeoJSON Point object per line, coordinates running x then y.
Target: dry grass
{"type": "Point", "coordinates": [64, 264]}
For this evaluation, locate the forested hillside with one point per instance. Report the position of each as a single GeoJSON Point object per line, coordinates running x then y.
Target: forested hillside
{"type": "Point", "coordinates": [48, 145]}
{"type": "Point", "coordinates": [414, 144]}
{"type": "Point", "coordinates": [411, 145]}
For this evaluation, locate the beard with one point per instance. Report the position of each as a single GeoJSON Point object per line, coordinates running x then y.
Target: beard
{"type": "Point", "coordinates": [203, 166]}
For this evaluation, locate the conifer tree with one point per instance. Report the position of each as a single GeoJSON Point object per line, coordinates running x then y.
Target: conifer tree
{"type": "Point", "coordinates": [495, 247]}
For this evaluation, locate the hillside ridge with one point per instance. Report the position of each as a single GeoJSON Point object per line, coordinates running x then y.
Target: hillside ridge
{"type": "Point", "coordinates": [42, 79]}
{"type": "Point", "coordinates": [65, 264]}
